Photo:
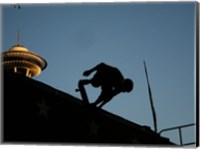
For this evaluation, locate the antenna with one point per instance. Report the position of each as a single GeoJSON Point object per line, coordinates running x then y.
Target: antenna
{"type": "Point", "coordinates": [18, 7]}
{"type": "Point", "coordinates": [18, 37]}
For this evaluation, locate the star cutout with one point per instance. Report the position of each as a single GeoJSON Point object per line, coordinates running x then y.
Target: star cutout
{"type": "Point", "coordinates": [93, 128]}
{"type": "Point", "coordinates": [44, 109]}
{"type": "Point", "coordinates": [134, 140]}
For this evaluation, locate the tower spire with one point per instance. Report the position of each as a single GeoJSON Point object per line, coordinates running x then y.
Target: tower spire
{"type": "Point", "coordinates": [18, 37]}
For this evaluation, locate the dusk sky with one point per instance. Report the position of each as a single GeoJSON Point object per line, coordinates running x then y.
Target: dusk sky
{"type": "Point", "coordinates": [76, 37]}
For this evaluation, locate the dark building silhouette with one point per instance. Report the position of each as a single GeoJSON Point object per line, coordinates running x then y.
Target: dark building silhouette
{"type": "Point", "coordinates": [34, 112]}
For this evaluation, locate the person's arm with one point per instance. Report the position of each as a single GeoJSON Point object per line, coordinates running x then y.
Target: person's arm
{"type": "Point", "coordinates": [88, 72]}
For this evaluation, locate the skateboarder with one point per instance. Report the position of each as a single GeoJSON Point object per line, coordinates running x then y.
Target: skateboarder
{"type": "Point", "coordinates": [109, 79]}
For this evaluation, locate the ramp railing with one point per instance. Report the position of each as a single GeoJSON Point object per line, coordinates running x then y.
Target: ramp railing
{"type": "Point", "coordinates": [180, 133]}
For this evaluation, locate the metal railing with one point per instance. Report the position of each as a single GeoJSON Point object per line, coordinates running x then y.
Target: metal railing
{"type": "Point", "coordinates": [180, 133]}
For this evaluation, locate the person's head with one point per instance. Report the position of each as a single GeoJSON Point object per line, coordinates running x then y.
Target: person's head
{"type": "Point", "coordinates": [127, 85]}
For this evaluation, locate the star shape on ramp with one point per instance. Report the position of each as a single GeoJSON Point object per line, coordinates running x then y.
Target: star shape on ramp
{"type": "Point", "coordinates": [134, 140]}
{"type": "Point", "coordinates": [43, 109]}
{"type": "Point", "coordinates": [93, 128]}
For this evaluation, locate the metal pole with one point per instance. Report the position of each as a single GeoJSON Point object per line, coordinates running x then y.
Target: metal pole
{"type": "Point", "coordinates": [180, 136]}
{"type": "Point", "coordinates": [18, 37]}
{"type": "Point", "coordinates": [151, 100]}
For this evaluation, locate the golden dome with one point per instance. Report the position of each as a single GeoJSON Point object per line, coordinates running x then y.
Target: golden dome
{"type": "Point", "coordinates": [18, 48]}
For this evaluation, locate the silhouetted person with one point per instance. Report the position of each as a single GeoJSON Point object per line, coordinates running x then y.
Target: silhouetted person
{"type": "Point", "coordinates": [110, 80]}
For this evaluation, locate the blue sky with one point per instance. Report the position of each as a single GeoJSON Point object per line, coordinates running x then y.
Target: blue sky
{"type": "Point", "coordinates": [75, 37]}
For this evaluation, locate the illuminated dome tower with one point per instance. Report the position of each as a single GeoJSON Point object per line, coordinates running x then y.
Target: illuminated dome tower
{"type": "Point", "coordinates": [19, 59]}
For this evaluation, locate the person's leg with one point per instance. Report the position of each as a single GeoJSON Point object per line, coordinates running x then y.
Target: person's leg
{"type": "Point", "coordinates": [104, 97]}
{"type": "Point", "coordinates": [81, 84]}
{"type": "Point", "coordinates": [99, 100]}
{"type": "Point", "coordinates": [102, 104]}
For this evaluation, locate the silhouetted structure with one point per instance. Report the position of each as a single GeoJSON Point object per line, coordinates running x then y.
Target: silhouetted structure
{"type": "Point", "coordinates": [151, 99]}
{"type": "Point", "coordinates": [35, 112]}
{"type": "Point", "coordinates": [109, 79]}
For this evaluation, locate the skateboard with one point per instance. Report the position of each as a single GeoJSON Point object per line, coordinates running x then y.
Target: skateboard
{"type": "Point", "coordinates": [82, 91]}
